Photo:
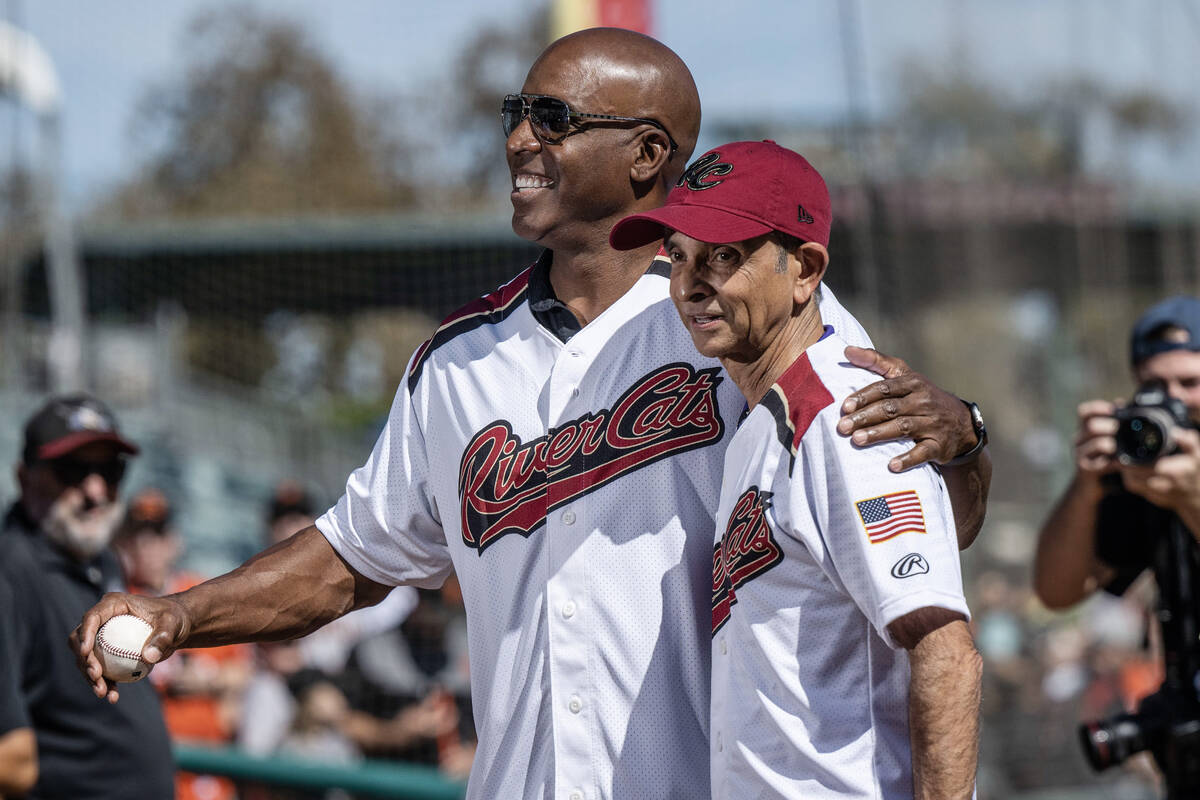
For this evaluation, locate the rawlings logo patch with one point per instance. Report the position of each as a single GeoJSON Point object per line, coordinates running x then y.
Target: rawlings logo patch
{"type": "Point", "coordinates": [506, 487]}
{"type": "Point", "coordinates": [698, 173]}
{"type": "Point", "coordinates": [747, 549]}
{"type": "Point", "coordinates": [909, 565]}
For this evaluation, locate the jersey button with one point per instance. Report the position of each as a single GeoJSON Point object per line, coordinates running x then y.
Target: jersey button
{"type": "Point", "coordinates": [575, 704]}
{"type": "Point", "coordinates": [568, 609]}
{"type": "Point", "coordinates": [575, 795]}
{"type": "Point", "coordinates": [568, 517]}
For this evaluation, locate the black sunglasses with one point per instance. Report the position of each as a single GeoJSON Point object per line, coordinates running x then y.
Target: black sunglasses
{"type": "Point", "coordinates": [70, 472]}
{"type": "Point", "coordinates": [551, 117]}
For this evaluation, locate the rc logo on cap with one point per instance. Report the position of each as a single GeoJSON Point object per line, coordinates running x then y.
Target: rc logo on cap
{"type": "Point", "coordinates": [702, 168]}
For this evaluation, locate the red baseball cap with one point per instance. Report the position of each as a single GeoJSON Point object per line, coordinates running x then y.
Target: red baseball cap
{"type": "Point", "coordinates": [736, 192]}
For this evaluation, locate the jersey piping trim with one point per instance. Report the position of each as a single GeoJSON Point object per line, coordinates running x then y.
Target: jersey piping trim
{"type": "Point", "coordinates": [487, 310]}
{"type": "Point", "coordinates": [661, 265]}
{"type": "Point", "coordinates": [794, 401]}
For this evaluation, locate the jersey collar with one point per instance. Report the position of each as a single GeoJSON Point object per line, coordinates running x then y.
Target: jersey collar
{"type": "Point", "coordinates": [552, 313]}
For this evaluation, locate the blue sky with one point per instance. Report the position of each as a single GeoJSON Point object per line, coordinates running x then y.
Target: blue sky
{"type": "Point", "coordinates": [779, 57]}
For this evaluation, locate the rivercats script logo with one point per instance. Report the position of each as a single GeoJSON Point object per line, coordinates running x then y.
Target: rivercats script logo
{"type": "Point", "coordinates": [747, 549]}
{"type": "Point", "coordinates": [507, 487]}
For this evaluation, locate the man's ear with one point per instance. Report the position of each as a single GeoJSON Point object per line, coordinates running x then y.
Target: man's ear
{"type": "Point", "coordinates": [813, 259]}
{"type": "Point", "coordinates": [651, 157]}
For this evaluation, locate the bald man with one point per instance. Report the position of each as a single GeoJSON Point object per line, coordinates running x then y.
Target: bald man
{"type": "Point", "coordinates": [558, 445]}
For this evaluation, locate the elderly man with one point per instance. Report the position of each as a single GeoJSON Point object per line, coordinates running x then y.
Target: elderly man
{"type": "Point", "coordinates": [557, 444]}
{"type": "Point", "coordinates": [842, 663]}
{"type": "Point", "coordinates": [57, 564]}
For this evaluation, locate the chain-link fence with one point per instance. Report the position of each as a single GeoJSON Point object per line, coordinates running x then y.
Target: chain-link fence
{"type": "Point", "coordinates": [240, 355]}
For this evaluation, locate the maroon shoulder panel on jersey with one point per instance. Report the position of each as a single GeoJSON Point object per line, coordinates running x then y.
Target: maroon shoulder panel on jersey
{"type": "Point", "coordinates": [487, 310]}
{"type": "Point", "coordinates": [795, 400]}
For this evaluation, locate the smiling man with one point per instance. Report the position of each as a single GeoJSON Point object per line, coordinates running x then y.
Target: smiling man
{"type": "Point", "coordinates": [557, 444]}
{"type": "Point", "coordinates": [842, 663]}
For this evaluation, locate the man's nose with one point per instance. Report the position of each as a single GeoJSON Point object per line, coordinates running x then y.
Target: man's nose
{"type": "Point", "coordinates": [689, 284]}
{"type": "Point", "coordinates": [95, 488]}
{"type": "Point", "coordinates": [523, 138]}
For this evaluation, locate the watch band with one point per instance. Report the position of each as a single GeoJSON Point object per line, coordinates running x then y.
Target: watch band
{"type": "Point", "coordinates": [980, 432]}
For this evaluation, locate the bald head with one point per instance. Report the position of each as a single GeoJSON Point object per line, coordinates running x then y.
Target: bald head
{"type": "Point", "coordinates": [633, 75]}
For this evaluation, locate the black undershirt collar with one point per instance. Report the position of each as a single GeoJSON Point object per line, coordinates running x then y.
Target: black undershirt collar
{"type": "Point", "coordinates": [552, 313]}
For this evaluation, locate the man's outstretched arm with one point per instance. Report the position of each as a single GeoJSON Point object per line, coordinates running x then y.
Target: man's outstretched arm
{"type": "Point", "coordinates": [288, 590]}
{"type": "Point", "coordinates": [907, 405]}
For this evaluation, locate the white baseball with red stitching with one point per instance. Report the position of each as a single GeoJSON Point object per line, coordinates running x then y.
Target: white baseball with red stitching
{"type": "Point", "coordinates": [119, 645]}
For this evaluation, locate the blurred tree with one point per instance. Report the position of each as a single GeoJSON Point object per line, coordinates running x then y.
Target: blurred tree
{"type": "Point", "coordinates": [259, 124]}
{"type": "Point", "coordinates": [951, 124]}
{"type": "Point", "coordinates": [492, 64]}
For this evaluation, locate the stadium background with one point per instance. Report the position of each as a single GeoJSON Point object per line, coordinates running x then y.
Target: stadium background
{"type": "Point", "coordinates": [249, 288]}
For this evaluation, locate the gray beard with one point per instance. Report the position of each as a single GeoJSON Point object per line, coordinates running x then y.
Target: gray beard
{"type": "Point", "coordinates": [82, 536]}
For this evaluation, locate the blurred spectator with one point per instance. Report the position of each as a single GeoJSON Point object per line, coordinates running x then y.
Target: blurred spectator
{"type": "Point", "coordinates": [200, 688]}
{"type": "Point", "coordinates": [425, 657]}
{"type": "Point", "coordinates": [291, 509]}
{"type": "Point", "coordinates": [277, 719]}
{"type": "Point", "coordinates": [318, 728]}
{"type": "Point", "coordinates": [57, 563]}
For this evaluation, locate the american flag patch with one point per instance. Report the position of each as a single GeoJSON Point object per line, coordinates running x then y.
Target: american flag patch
{"type": "Point", "coordinates": [890, 515]}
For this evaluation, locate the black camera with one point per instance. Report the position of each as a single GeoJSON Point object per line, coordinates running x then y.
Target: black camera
{"type": "Point", "coordinates": [1167, 723]}
{"type": "Point", "coordinates": [1149, 426]}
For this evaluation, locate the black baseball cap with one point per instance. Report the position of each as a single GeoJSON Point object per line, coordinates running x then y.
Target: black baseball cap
{"type": "Point", "coordinates": [1147, 339]}
{"type": "Point", "coordinates": [68, 422]}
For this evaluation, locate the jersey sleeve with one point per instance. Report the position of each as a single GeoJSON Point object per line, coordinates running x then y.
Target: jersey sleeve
{"type": "Point", "coordinates": [386, 524]}
{"type": "Point", "coordinates": [887, 539]}
{"type": "Point", "coordinates": [843, 322]}
{"type": "Point", "coordinates": [13, 713]}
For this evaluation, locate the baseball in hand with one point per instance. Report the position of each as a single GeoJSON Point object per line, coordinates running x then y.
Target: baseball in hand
{"type": "Point", "coordinates": [119, 647]}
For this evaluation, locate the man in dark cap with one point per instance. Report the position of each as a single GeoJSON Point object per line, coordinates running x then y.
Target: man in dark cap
{"type": "Point", "coordinates": [1104, 531]}
{"type": "Point", "coordinates": [57, 564]}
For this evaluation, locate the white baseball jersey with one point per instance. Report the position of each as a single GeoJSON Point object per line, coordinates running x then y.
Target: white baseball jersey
{"type": "Point", "coordinates": [572, 487]}
{"type": "Point", "coordinates": [819, 547]}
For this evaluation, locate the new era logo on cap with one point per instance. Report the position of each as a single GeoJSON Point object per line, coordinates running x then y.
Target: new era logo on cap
{"type": "Point", "coordinates": [736, 192]}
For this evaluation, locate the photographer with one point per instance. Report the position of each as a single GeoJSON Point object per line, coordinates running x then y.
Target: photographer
{"type": "Point", "coordinates": [1106, 528]}
{"type": "Point", "coordinates": [1134, 505]}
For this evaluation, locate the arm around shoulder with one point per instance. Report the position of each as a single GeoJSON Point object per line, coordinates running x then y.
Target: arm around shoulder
{"type": "Point", "coordinates": [968, 484]}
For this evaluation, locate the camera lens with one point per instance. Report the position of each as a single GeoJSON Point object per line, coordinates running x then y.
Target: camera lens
{"type": "Point", "coordinates": [1111, 741]}
{"type": "Point", "coordinates": [1140, 439]}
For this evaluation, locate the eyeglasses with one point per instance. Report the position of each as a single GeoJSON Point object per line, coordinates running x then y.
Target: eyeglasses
{"type": "Point", "coordinates": [70, 472]}
{"type": "Point", "coordinates": [551, 117]}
